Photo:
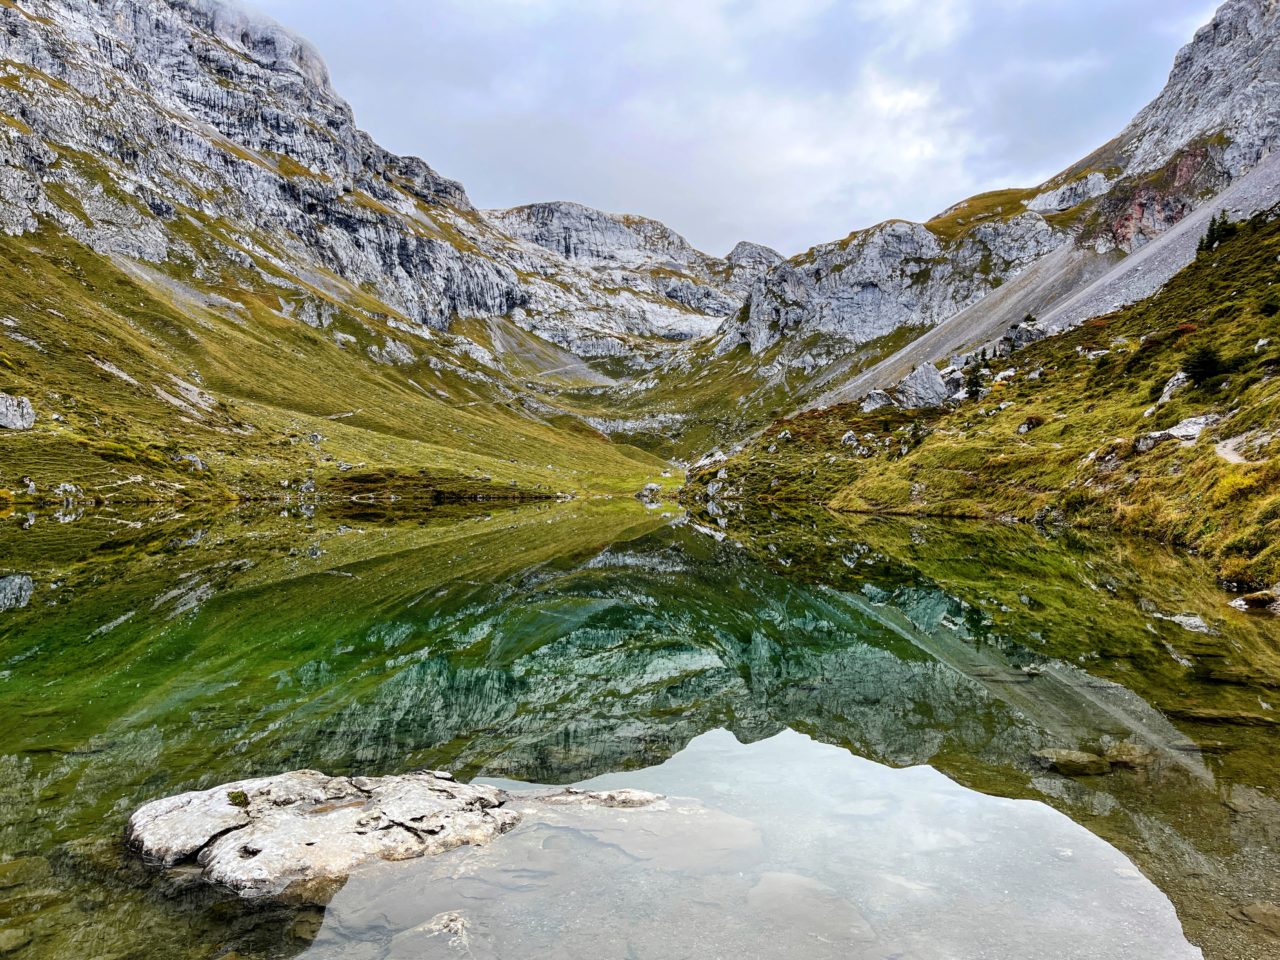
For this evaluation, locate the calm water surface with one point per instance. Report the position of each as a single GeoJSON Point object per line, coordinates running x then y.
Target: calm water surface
{"type": "Point", "coordinates": [843, 715]}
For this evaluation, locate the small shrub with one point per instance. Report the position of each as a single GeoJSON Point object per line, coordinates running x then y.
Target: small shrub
{"type": "Point", "coordinates": [1203, 364]}
{"type": "Point", "coordinates": [238, 798]}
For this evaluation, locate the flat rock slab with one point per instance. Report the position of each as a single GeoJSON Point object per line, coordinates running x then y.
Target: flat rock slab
{"type": "Point", "coordinates": [300, 834]}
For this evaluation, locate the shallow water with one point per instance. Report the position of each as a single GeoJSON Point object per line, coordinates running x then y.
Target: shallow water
{"type": "Point", "coordinates": [782, 848]}
{"type": "Point", "coordinates": [776, 676]}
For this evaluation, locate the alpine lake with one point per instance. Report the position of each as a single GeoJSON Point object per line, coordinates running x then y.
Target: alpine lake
{"type": "Point", "coordinates": [843, 712]}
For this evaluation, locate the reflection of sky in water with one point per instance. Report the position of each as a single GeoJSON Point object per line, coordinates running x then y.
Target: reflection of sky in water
{"type": "Point", "coordinates": [786, 848]}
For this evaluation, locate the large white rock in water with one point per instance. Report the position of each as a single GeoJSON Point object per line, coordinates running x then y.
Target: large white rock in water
{"type": "Point", "coordinates": [16, 413]}
{"type": "Point", "coordinates": [300, 834]}
{"type": "Point", "coordinates": [300, 829]}
{"type": "Point", "coordinates": [923, 387]}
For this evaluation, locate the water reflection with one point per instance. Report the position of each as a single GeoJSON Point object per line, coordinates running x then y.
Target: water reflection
{"type": "Point", "coordinates": [785, 848]}
{"type": "Point", "coordinates": [564, 641]}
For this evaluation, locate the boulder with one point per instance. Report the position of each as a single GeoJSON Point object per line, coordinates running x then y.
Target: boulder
{"type": "Point", "coordinates": [923, 387]}
{"type": "Point", "coordinates": [16, 413]}
{"type": "Point", "coordinates": [304, 829]}
{"type": "Point", "coordinates": [1188, 431]}
{"type": "Point", "coordinates": [1072, 763]}
{"type": "Point", "coordinates": [15, 591]}
{"type": "Point", "coordinates": [650, 493]}
{"type": "Point", "coordinates": [299, 835]}
{"type": "Point", "coordinates": [1129, 755]}
{"type": "Point", "coordinates": [877, 400]}
{"type": "Point", "coordinates": [1175, 383]}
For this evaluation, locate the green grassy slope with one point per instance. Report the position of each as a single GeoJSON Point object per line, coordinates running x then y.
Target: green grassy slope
{"type": "Point", "coordinates": [1062, 445]}
{"type": "Point", "coordinates": [130, 369]}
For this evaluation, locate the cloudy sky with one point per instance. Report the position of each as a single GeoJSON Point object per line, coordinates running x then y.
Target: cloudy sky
{"type": "Point", "coordinates": [787, 122]}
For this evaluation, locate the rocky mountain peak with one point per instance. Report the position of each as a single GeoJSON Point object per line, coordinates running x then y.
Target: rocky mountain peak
{"type": "Point", "coordinates": [578, 232]}
{"type": "Point", "coordinates": [753, 256]}
{"type": "Point", "coordinates": [1225, 86]}
{"type": "Point", "coordinates": [258, 37]}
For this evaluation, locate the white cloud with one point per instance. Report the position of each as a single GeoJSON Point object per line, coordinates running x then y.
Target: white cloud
{"type": "Point", "coordinates": [787, 123]}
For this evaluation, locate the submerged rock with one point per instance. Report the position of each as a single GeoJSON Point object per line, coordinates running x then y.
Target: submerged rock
{"type": "Point", "coordinates": [1129, 755]}
{"type": "Point", "coordinates": [300, 834]}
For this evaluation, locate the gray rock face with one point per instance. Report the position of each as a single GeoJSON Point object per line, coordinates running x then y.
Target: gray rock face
{"type": "Point", "coordinates": [923, 387]}
{"type": "Point", "coordinates": [1070, 194]}
{"type": "Point", "coordinates": [1224, 84]}
{"type": "Point", "coordinates": [16, 413]}
{"type": "Point", "coordinates": [174, 111]}
{"type": "Point", "coordinates": [753, 257]}
{"type": "Point", "coordinates": [1218, 118]}
{"type": "Point", "coordinates": [300, 834]}
{"type": "Point", "coordinates": [139, 119]}
{"type": "Point", "coordinates": [897, 274]}
{"type": "Point", "coordinates": [609, 276]}
{"type": "Point", "coordinates": [577, 232]}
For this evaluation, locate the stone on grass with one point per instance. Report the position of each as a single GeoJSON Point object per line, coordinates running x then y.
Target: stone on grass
{"type": "Point", "coordinates": [923, 387]}
{"type": "Point", "coordinates": [16, 413]}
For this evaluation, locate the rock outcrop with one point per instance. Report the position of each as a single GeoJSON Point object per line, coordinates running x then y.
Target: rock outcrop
{"type": "Point", "coordinates": [1070, 194]}
{"type": "Point", "coordinates": [894, 275]}
{"type": "Point", "coordinates": [602, 277]}
{"type": "Point", "coordinates": [300, 834]}
{"type": "Point", "coordinates": [16, 413]}
{"type": "Point", "coordinates": [1224, 86]}
{"type": "Point", "coordinates": [15, 591]}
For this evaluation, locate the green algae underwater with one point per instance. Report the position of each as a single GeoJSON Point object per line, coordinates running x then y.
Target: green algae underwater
{"type": "Point", "coordinates": [142, 655]}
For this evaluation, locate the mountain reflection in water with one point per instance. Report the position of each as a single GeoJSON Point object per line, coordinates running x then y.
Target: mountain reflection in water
{"type": "Point", "coordinates": [561, 642]}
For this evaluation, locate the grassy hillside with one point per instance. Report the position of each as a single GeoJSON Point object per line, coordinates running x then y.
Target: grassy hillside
{"type": "Point", "coordinates": [1056, 434]}
{"type": "Point", "coordinates": [135, 370]}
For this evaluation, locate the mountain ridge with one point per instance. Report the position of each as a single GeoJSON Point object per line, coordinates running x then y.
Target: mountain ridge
{"type": "Point", "coordinates": [197, 156]}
